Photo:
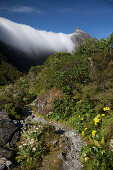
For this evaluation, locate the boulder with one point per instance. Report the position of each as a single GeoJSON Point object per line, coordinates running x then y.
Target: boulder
{"type": "Point", "coordinates": [4, 115]}
{"type": "Point", "coordinates": [4, 163]}
{"type": "Point", "coordinates": [111, 145]}
{"type": "Point", "coordinates": [44, 103]}
{"type": "Point", "coordinates": [7, 153]}
{"type": "Point", "coordinates": [7, 131]}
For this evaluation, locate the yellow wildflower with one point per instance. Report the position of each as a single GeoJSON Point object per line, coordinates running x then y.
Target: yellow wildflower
{"type": "Point", "coordinates": [93, 133]}
{"type": "Point", "coordinates": [86, 158]}
{"type": "Point", "coordinates": [96, 120]}
{"type": "Point", "coordinates": [82, 118]}
{"type": "Point", "coordinates": [103, 115]}
{"type": "Point", "coordinates": [79, 116]}
{"type": "Point", "coordinates": [85, 129]}
{"type": "Point", "coordinates": [98, 115]}
{"type": "Point", "coordinates": [82, 133]}
{"type": "Point", "coordinates": [106, 108]}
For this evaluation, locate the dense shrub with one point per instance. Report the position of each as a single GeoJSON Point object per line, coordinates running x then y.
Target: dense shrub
{"type": "Point", "coordinates": [8, 73]}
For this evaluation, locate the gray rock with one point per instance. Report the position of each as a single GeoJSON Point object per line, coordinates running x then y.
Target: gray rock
{"type": "Point", "coordinates": [4, 163]}
{"type": "Point", "coordinates": [4, 115]}
{"type": "Point", "coordinates": [7, 131]}
{"type": "Point", "coordinates": [55, 142]}
{"type": "Point", "coordinates": [79, 36]}
{"type": "Point", "coordinates": [33, 118]}
{"type": "Point", "coordinates": [7, 153]}
{"type": "Point", "coordinates": [73, 162]}
{"type": "Point", "coordinates": [73, 143]}
{"type": "Point", "coordinates": [62, 156]}
{"type": "Point", "coordinates": [111, 145]}
{"type": "Point", "coordinates": [14, 139]}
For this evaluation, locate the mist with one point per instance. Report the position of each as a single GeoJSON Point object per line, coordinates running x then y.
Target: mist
{"type": "Point", "coordinates": [30, 40]}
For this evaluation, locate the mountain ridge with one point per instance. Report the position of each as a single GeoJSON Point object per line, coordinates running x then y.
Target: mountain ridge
{"type": "Point", "coordinates": [22, 59]}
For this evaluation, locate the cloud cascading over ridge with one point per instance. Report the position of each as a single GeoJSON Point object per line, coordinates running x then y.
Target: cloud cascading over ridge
{"type": "Point", "coordinates": [29, 40]}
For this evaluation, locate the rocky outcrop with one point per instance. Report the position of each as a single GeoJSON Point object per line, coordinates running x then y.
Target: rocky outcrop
{"type": "Point", "coordinates": [71, 140]}
{"type": "Point", "coordinates": [71, 161]}
{"type": "Point", "coordinates": [111, 145]}
{"type": "Point", "coordinates": [44, 103]}
{"type": "Point", "coordinates": [7, 153]}
{"type": "Point", "coordinates": [79, 36]}
{"type": "Point", "coordinates": [4, 163]}
{"type": "Point", "coordinates": [9, 134]}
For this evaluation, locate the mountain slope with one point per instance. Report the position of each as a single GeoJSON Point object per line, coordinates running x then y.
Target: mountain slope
{"type": "Point", "coordinates": [8, 73]}
{"type": "Point", "coordinates": [85, 80]}
{"type": "Point", "coordinates": [25, 46]}
{"type": "Point", "coordinates": [79, 36]}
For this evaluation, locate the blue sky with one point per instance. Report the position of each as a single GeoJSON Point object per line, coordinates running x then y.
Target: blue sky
{"type": "Point", "coordinates": [92, 16]}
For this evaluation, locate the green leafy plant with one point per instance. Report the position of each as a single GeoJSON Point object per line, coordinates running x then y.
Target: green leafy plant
{"type": "Point", "coordinates": [34, 145]}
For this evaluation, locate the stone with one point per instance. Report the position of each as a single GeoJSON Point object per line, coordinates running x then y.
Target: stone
{"type": "Point", "coordinates": [4, 163]}
{"type": "Point", "coordinates": [7, 131]}
{"type": "Point", "coordinates": [111, 145]}
{"type": "Point", "coordinates": [14, 139]}
{"type": "Point", "coordinates": [44, 103]}
{"type": "Point", "coordinates": [7, 153]}
{"type": "Point", "coordinates": [62, 156]}
{"type": "Point", "coordinates": [79, 36]}
{"type": "Point", "coordinates": [4, 115]}
{"type": "Point", "coordinates": [55, 142]}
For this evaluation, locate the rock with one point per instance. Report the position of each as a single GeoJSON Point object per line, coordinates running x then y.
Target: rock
{"type": "Point", "coordinates": [14, 139]}
{"type": "Point", "coordinates": [111, 145]}
{"type": "Point", "coordinates": [71, 142]}
{"type": "Point", "coordinates": [62, 156]}
{"type": "Point", "coordinates": [4, 115]}
{"type": "Point", "coordinates": [72, 158]}
{"type": "Point", "coordinates": [4, 163]}
{"type": "Point", "coordinates": [33, 118]}
{"type": "Point", "coordinates": [55, 142]}
{"type": "Point", "coordinates": [7, 153]}
{"type": "Point", "coordinates": [7, 131]}
{"type": "Point", "coordinates": [44, 103]}
{"type": "Point", "coordinates": [79, 36]}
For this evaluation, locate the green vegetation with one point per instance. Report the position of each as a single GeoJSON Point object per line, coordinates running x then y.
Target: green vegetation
{"type": "Point", "coordinates": [8, 73]}
{"type": "Point", "coordinates": [35, 144]}
{"type": "Point", "coordinates": [86, 79]}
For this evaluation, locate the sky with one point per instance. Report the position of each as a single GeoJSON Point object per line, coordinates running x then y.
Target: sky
{"type": "Point", "coordinates": [92, 16]}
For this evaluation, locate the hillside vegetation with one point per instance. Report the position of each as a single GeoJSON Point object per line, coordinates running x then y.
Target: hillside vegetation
{"type": "Point", "coordinates": [86, 79]}
{"type": "Point", "coordinates": [8, 73]}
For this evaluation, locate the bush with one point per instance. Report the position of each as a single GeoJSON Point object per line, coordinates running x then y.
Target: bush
{"type": "Point", "coordinates": [35, 144]}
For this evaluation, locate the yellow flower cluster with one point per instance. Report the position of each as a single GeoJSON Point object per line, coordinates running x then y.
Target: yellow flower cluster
{"type": "Point", "coordinates": [96, 119]}
{"type": "Point", "coordinates": [98, 115]}
{"type": "Point", "coordinates": [102, 114]}
{"type": "Point", "coordinates": [106, 108]}
{"type": "Point", "coordinates": [93, 133]}
{"type": "Point", "coordinates": [82, 133]}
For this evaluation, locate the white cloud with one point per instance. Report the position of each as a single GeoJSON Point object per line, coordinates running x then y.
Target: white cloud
{"type": "Point", "coordinates": [29, 40]}
{"type": "Point", "coordinates": [21, 9]}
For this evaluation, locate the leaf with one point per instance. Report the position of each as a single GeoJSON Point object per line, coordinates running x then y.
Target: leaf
{"type": "Point", "coordinates": [102, 141]}
{"type": "Point", "coordinates": [97, 143]}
